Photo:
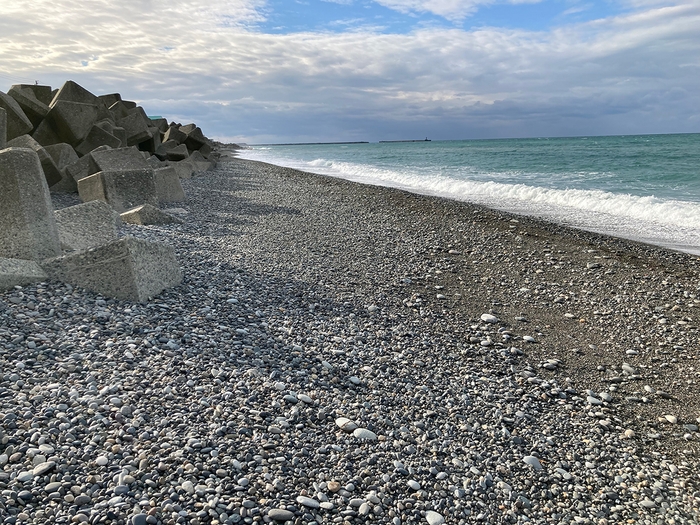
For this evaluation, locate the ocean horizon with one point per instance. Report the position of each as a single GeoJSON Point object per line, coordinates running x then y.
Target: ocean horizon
{"type": "Point", "coordinates": [644, 188]}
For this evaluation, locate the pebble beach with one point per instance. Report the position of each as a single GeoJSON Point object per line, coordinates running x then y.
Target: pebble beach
{"type": "Point", "coordinates": [345, 353]}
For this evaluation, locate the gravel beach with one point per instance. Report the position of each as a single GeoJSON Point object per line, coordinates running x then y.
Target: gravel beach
{"type": "Point", "coordinates": [343, 353]}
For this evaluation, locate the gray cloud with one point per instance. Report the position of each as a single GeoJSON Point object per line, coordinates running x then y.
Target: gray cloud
{"type": "Point", "coordinates": [207, 62]}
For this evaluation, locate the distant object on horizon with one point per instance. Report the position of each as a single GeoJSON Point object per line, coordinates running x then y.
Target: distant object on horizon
{"type": "Point", "coordinates": [388, 141]}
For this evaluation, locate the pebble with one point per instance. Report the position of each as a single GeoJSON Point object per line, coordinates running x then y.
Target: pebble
{"type": "Point", "coordinates": [413, 484]}
{"type": "Point", "coordinates": [434, 518]}
{"type": "Point", "coordinates": [533, 462]}
{"type": "Point", "coordinates": [488, 318]}
{"type": "Point", "coordinates": [628, 369]}
{"type": "Point", "coordinates": [345, 424]}
{"type": "Point", "coordinates": [43, 468]}
{"type": "Point", "coordinates": [25, 476]}
{"type": "Point", "coordinates": [364, 434]}
{"type": "Point", "coordinates": [593, 400]}
{"type": "Point", "coordinates": [308, 502]}
{"type": "Point", "coordinates": [139, 519]}
{"type": "Point", "coordinates": [280, 515]}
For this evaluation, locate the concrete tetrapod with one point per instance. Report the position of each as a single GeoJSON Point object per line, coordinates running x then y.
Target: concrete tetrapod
{"type": "Point", "coordinates": [17, 122]}
{"type": "Point", "coordinates": [130, 269]}
{"type": "Point", "coordinates": [86, 225]}
{"type": "Point", "coordinates": [27, 222]}
{"type": "Point", "coordinates": [3, 128]}
{"type": "Point", "coordinates": [51, 172]}
{"type": "Point", "coordinates": [146, 214]}
{"type": "Point", "coordinates": [123, 189]}
{"type": "Point", "coordinates": [18, 272]}
{"type": "Point", "coordinates": [168, 186]}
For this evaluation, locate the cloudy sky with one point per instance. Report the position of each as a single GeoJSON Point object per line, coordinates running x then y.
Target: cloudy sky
{"type": "Point", "coordinates": [329, 70]}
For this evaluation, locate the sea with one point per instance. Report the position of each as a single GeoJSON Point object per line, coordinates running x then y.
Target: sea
{"type": "Point", "coordinates": [640, 187]}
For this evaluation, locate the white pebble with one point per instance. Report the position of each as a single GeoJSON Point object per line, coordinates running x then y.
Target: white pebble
{"type": "Point", "coordinates": [364, 434]}
{"type": "Point", "coordinates": [346, 424]}
{"type": "Point", "coordinates": [533, 462]}
{"type": "Point", "coordinates": [308, 502]}
{"type": "Point", "coordinates": [434, 518]}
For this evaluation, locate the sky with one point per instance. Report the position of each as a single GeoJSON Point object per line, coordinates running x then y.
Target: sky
{"type": "Point", "coordinates": [265, 71]}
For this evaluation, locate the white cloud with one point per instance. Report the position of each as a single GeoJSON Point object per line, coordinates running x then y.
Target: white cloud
{"type": "Point", "coordinates": [198, 61]}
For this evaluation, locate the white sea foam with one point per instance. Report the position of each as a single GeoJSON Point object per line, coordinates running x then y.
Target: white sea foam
{"type": "Point", "coordinates": [670, 223]}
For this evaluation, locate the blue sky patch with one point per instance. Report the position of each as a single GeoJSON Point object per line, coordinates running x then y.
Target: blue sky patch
{"type": "Point", "coordinates": [296, 16]}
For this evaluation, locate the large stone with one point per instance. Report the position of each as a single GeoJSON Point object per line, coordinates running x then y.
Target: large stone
{"type": "Point", "coordinates": [73, 92]}
{"type": "Point", "coordinates": [129, 269]}
{"type": "Point", "coordinates": [111, 128]}
{"type": "Point", "coordinates": [200, 162]}
{"type": "Point", "coordinates": [184, 168]}
{"type": "Point", "coordinates": [19, 272]}
{"type": "Point", "coordinates": [142, 112]}
{"type": "Point", "coordinates": [95, 138]}
{"type": "Point", "coordinates": [118, 159]}
{"type": "Point", "coordinates": [136, 128]}
{"type": "Point", "coordinates": [3, 128]}
{"type": "Point", "coordinates": [118, 110]}
{"type": "Point", "coordinates": [71, 121]}
{"type": "Point", "coordinates": [84, 167]}
{"type": "Point", "coordinates": [27, 224]}
{"type": "Point", "coordinates": [42, 93]}
{"type": "Point", "coordinates": [17, 122]}
{"type": "Point", "coordinates": [63, 155]}
{"type": "Point", "coordinates": [35, 110]}
{"type": "Point", "coordinates": [177, 153]}
{"type": "Point", "coordinates": [151, 145]}
{"type": "Point", "coordinates": [123, 190]}
{"type": "Point", "coordinates": [45, 134]}
{"type": "Point", "coordinates": [86, 225]}
{"type": "Point", "coordinates": [195, 139]}
{"type": "Point", "coordinates": [146, 214]}
{"type": "Point", "coordinates": [206, 150]}
{"type": "Point", "coordinates": [51, 171]}
{"type": "Point", "coordinates": [154, 162]}
{"type": "Point", "coordinates": [168, 187]}
{"type": "Point", "coordinates": [162, 151]}
{"type": "Point", "coordinates": [109, 99]}
{"type": "Point", "coordinates": [160, 123]}
{"type": "Point", "coordinates": [174, 133]}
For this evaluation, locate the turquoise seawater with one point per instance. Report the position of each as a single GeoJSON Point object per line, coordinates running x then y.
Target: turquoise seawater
{"type": "Point", "coordinates": [644, 187]}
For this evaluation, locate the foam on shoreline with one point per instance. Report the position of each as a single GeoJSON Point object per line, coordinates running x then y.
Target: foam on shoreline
{"type": "Point", "coordinates": [672, 224]}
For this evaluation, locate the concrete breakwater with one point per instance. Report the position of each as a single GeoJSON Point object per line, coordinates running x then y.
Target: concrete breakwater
{"type": "Point", "coordinates": [120, 162]}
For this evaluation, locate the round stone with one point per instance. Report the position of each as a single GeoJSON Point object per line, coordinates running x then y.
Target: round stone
{"type": "Point", "coordinates": [280, 515]}
{"type": "Point", "coordinates": [308, 502]}
{"type": "Point", "coordinates": [364, 434]}
{"type": "Point", "coordinates": [488, 318]}
{"type": "Point", "coordinates": [345, 424]}
{"type": "Point", "coordinates": [43, 468]}
{"type": "Point", "coordinates": [139, 519]}
{"type": "Point", "coordinates": [434, 518]}
{"type": "Point", "coordinates": [533, 462]}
